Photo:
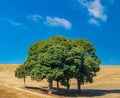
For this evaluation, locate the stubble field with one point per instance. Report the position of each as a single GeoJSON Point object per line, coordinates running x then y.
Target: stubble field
{"type": "Point", "coordinates": [106, 85]}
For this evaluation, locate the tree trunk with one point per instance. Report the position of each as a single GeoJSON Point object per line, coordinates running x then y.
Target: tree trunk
{"type": "Point", "coordinates": [50, 87]}
{"type": "Point", "coordinates": [52, 83]}
{"type": "Point", "coordinates": [68, 85]}
{"type": "Point", "coordinates": [79, 85]}
{"type": "Point", "coordinates": [24, 81]}
{"type": "Point", "coordinates": [57, 85]}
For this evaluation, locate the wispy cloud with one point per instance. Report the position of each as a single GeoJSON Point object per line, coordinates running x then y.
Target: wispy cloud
{"type": "Point", "coordinates": [14, 23]}
{"type": "Point", "coordinates": [93, 21]}
{"type": "Point", "coordinates": [35, 17]}
{"type": "Point", "coordinates": [95, 9]}
{"type": "Point", "coordinates": [56, 21]}
{"type": "Point", "coordinates": [51, 21]}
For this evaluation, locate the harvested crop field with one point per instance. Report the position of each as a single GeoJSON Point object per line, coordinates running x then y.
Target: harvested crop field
{"type": "Point", "coordinates": [106, 85]}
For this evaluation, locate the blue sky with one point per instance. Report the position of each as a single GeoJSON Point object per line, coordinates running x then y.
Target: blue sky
{"type": "Point", "coordinates": [23, 22]}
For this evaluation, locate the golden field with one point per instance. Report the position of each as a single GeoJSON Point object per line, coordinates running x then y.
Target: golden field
{"type": "Point", "coordinates": [106, 85]}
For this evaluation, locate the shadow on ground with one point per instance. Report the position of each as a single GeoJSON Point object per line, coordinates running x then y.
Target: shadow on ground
{"type": "Point", "coordinates": [73, 92]}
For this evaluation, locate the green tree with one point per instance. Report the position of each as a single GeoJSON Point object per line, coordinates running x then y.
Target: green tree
{"type": "Point", "coordinates": [21, 72]}
{"type": "Point", "coordinates": [51, 60]}
{"type": "Point", "coordinates": [85, 60]}
{"type": "Point", "coordinates": [24, 70]}
{"type": "Point", "coordinates": [60, 59]}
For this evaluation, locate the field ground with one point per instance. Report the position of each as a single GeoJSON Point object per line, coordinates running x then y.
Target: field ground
{"type": "Point", "coordinates": [106, 85]}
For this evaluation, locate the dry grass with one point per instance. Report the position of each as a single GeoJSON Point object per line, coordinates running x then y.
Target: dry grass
{"type": "Point", "coordinates": [106, 85]}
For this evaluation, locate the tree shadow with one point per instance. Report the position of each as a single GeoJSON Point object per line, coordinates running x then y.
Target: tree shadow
{"type": "Point", "coordinates": [43, 89]}
{"type": "Point", "coordinates": [84, 92]}
{"type": "Point", "coordinates": [74, 92]}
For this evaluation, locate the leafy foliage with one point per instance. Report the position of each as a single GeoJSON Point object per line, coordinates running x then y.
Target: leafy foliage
{"type": "Point", "coordinates": [60, 59]}
{"type": "Point", "coordinates": [20, 72]}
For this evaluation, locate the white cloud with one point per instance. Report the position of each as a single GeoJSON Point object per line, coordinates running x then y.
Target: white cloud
{"type": "Point", "coordinates": [35, 17]}
{"type": "Point", "coordinates": [93, 21]}
{"type": "Point", "coordinates": [17, 24]}
{"type": "Point", "coordinates": [95, 9]}
{"type": "Point", "coordinates": [58, 22]}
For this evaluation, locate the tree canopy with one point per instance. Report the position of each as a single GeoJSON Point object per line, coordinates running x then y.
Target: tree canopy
{"type": "Point", "coordinates": [60, 59]}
